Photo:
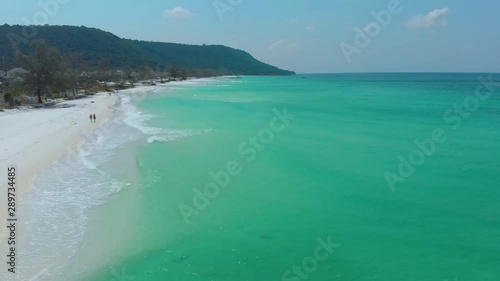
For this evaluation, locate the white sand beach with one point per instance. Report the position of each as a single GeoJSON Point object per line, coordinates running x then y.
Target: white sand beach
{"type": "Point", "coordinates": [32, 139]}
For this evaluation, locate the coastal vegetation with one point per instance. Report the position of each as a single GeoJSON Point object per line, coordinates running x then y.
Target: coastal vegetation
{"type": "Point", "coordinates": [64, 61]}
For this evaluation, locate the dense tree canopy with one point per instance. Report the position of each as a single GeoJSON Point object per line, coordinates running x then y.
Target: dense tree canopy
{"type": "Point", "coordinates": [103, 50]}
{"type": "Point", "coordinates": [43, 66]}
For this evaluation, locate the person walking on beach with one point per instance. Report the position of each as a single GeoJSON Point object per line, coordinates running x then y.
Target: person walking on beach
{"type": "Point", "coordinates": [90, 118]}
{"type": "Point", "coordinates": [94, 117]}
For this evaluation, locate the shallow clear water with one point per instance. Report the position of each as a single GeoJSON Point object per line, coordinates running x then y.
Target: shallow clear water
{"type": "Point", "coordinates": [239, 179]}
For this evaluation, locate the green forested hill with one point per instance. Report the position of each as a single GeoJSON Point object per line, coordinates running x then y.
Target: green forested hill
{"type": "Point", "coordinates": [100, 49]}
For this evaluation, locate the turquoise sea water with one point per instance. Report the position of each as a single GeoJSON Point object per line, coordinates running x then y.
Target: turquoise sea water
{"type": "Point", "coordinates": [245, 179]}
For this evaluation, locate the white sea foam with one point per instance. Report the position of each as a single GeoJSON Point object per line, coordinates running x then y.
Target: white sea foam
{"type": "Point", "coordinates": [55, 212]}
{"type": "Point", "coordinates": [40, 275]}
{"type": "Point", "coordinates": [193, 82]}
{"type": "Point", "coordinates": [139, 120]}
{"type": "Point", "coordinates": [61, 207]}
{"type": "Point", "coordinates": [171, 135]}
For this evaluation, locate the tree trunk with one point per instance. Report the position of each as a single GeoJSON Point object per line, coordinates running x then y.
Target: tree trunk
{"type": "Point", "coordinates": [39, 88]}
{"type": "Point", "coordinates": [39, 94]}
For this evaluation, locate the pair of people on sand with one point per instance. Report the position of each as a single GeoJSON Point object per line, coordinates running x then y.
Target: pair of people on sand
{"type": "Point", "coordinates": [92, 117]}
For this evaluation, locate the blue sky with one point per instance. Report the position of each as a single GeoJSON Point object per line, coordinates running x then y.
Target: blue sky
{"type": "Point", "coordinates": [301, 35]}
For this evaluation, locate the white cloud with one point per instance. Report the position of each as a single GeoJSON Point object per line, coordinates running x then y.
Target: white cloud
{"type": "Point", "coordinates": [310, 28]}
{"type": "Point", "coordinates": [178, 13]}
{"type": "Point", "coordinates": [283, 44]}
{"type": "Point", "coordinates": [433, 18]}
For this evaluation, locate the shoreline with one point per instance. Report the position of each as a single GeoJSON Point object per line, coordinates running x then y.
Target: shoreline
{"type": "Point", "coordinates": [50, 135]}
{"type": "Point", "coordinates": [36, 138]}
